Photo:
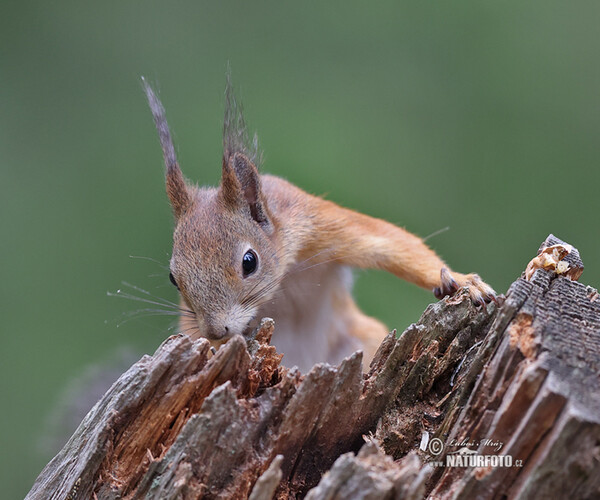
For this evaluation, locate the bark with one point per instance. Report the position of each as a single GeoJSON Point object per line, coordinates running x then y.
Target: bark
{"type": "Point", "coordinates": [520, 381]}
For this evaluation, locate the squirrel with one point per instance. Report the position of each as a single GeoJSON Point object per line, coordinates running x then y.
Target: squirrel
{"type": "Point", "coordinates": [258, 246]}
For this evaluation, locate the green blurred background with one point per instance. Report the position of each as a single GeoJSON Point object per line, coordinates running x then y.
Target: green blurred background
{"type": "Point", "coordinates": [480, 116]}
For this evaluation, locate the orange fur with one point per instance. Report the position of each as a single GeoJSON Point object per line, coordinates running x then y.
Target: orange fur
{"type": "Point", "coordinates": [303, 247]}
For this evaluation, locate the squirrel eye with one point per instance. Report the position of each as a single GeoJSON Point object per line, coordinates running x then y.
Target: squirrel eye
{"type": "Point", "coordinates": [172, 278]}
{"type": "Point", "coordinates": [249, 262]}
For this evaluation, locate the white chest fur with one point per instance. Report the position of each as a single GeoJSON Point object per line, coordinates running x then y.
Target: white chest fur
{"type": "Point", "coordinates": [309, 312]}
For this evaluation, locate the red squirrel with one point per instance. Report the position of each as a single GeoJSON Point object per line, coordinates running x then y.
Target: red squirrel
{"type": "Point", "coordinates": [258, 246]}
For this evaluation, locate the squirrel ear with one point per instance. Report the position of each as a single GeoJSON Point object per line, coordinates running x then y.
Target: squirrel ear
{"type": "Point", "coordinates": [177, 189]}
{"type": "Point", "coordinates": [241, 183]}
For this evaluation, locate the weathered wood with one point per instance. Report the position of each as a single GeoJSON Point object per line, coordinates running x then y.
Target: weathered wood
{"type": "Point", "coordinates": [184, 423]}
{"type": "Point", "coordinates": [372, 475]}
{"type": "Point", "coordinates": [539, 395]}
{"type": "Point", "coordinates": [265, 485]}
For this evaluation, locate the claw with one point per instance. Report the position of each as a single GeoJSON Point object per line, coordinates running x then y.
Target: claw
{"type": "Point", "coordinates": [481, 293]}
{"type": "Point", "coordinates": [482, 304]}
{"type": "Point", "coordinates": [449, 284]}
{"type": "Point", "coordinates": [476, 296]}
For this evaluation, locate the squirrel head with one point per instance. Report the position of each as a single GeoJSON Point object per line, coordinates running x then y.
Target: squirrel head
{"type": "Point", "coordinates": [225, 260]}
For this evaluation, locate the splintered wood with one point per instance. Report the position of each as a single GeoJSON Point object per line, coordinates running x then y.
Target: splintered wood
{"type": "Point", "coordinates": [519, 381]}
{"type": "Point", "coordinates": [552, 257]}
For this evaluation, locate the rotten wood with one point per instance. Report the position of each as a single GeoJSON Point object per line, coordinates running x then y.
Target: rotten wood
{"type": "Point", "coordinates": [520, 380]}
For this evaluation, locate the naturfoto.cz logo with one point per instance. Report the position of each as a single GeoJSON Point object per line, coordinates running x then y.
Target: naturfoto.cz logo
{"type": "Point", "coordinates": [469, 458]}
{"type": "Point", "coordinates": [466, 457]}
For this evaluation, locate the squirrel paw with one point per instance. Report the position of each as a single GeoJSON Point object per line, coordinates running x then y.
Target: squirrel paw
{"type": "Point", "coordinates": [481, 293]}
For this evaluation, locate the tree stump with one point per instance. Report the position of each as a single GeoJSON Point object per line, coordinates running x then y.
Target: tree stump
{"type": "Point", "coordinates": [441, 412]}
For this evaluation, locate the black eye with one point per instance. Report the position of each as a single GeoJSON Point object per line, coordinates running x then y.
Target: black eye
{"type": "Point", "coordinates": [172, 278]}
{"type": "Point", "coordinates": [249, 262]}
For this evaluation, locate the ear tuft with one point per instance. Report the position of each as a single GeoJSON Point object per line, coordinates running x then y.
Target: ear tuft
{"type": "Point", "coordinates": [240, 185]}
{"type": "Point", "coordinates": [177, 190]}
{"type": "Point", "coordinates": [247, 186]}
{"type": "Point", "coordinates": [235, 132]}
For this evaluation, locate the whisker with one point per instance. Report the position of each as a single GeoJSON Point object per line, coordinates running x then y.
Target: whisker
{"type": "Point", "coordinates": [435, 233]}
{"type": "Point", "coordinates": [178, 310]}
{"type": "Point", "coordinates": [191, 331]}
{"type": "Point", "coordinates": [333, 259]}
{"type": "Point", "coordinates": [259, 295]}
{"type": "Point", "coordinates": [256, 297]}
{"type": "Point", "coordinates": [127, 320]}
{"type": "Point", "coordinates": [166, 302]}
{"type": "Point", "coordinates": [313, 256]}
{"type": "Point", "coordinates": [253, 297]}
{"type": "Point", "coordinates": [174, 324]}
{"type": "Point", "coordinates": [141, 257]}
{"type": "Point", "coordinates": [166, 312]}
{"type": "Point", "coordinates": [247, 293]}
{"type": "Point", "coordinates": [129, 296]}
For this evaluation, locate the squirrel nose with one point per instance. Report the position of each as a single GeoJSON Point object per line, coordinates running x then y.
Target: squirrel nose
{"type": "Point", "coordinates": [215, 332]}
